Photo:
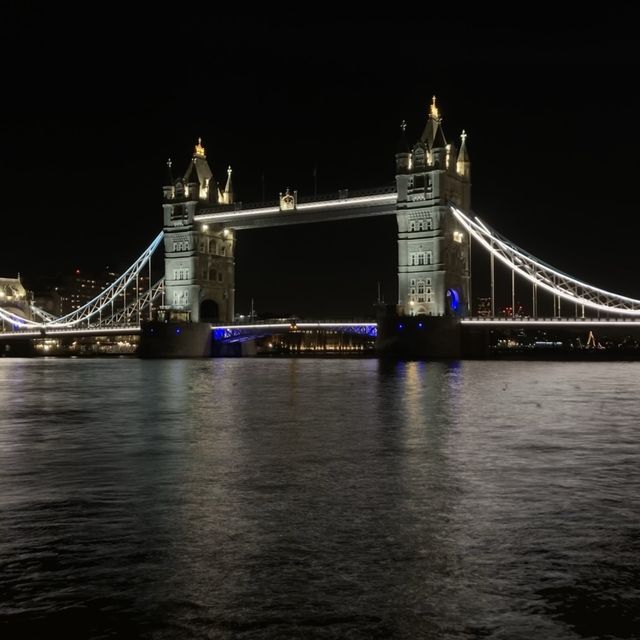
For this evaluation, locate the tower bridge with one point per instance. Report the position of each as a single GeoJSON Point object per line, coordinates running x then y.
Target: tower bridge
{"type": "Point", "coordinates": [433, 251]}
{"type": "Point", "coordinates": [431, 201]}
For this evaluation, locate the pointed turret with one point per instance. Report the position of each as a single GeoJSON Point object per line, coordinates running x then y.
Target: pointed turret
{"type": "Point", "coordinates": [169, 175]}
{"type": "Point", "coordinates": [403, 153]}
{"type": "Point", "coordinates": [433, 136]}
{"type": "Point", "coordinates": [198, 172]}
{"type": "Point", "coordinates": [463, 165]}
{"type": "Point", "coordinates": [227, 196]}
{"type": "Point", "coordinates": [169, 188]}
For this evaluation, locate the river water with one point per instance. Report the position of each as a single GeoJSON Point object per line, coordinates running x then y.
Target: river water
{"type": "Point", "coordinates": [319, 498]}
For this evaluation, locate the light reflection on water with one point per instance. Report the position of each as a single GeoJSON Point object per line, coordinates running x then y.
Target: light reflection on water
{"type": "Point", "coordinates": [251, 498]}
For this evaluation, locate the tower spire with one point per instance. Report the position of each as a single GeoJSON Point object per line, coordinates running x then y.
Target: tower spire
{"type": "Point", "coordinates": [228, 190]}
{"type": "Point", "coordinates": [433, 110]}
{"type": "Point", "coordinates": [199, 172]}
{"type": "Point", "coordinates": [403, 153]}
{"type": "Point", "coordinates": [433, 135]}
{"type": "Point", "coordinates": [463, 165]}
{"type": "Point", "coordinates": [199, 150]}
{"type": "Point", "coordinates": [170, 180]}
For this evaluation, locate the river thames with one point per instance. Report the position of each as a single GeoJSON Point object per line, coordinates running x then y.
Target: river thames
{"type": "Point", "coordinates": [319, 498]}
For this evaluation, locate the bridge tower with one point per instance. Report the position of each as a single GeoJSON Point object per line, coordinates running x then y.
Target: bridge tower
{"type": "Point", "coordinates": [434, 270]}
{"type": "Point", "coordinates": [199, 263]}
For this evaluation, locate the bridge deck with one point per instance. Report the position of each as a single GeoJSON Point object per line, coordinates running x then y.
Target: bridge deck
{"type": "Point", "coordinates": [293, 325]}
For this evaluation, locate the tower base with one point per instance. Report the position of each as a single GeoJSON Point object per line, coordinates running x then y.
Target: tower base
{"type": "Point", "coordinates": [175, 340]}
{"type": "Point", "coordinates": [410, 337]}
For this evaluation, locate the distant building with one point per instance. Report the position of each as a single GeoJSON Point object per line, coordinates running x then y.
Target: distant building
{"type": "Point", "coordinates": [483, 307]}
{"type": "Point", "coordinates": [79, 288]}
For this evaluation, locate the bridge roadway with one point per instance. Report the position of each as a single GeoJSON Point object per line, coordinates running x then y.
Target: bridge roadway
{"type": "Point", "coordinates": [239, 332]}
{"type": "Point", "coordinates": [61, 332]}
{"type": "Point", "coordinates": [231, 331]}
{"type": "Point", "coordinates": [379, 202]}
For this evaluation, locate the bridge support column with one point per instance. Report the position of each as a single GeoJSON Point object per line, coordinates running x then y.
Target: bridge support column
{"type": "Point", "coordinates": [411, 337]}
{"type": "Point", "coordinates": [175, 340]}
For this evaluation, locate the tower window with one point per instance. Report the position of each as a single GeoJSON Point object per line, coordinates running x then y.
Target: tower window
{"type": "Point", "coordinates": [429, 257]}
{"type": "Point", "coordinates": [178, 212]}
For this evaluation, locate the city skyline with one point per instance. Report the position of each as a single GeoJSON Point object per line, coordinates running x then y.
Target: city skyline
{"type": "Point", "coordinates": [550, 136]}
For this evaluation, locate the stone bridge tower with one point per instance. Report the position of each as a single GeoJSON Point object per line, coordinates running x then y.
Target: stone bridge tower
{"type": "Point", "coordinates": [434, 262]}
{"type": "Point", "coordinates": [199, 263]}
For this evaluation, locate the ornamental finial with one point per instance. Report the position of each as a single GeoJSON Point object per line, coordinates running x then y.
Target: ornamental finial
{"type": "Point", "coordinates": [433, 109]}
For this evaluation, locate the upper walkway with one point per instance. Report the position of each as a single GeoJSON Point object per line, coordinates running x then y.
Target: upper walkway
{"type": "Point", "coordinates": [341, 206]}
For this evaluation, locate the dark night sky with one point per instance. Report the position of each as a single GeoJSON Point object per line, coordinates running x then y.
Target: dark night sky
{"type": "Point", "coordinates": [90, 115]}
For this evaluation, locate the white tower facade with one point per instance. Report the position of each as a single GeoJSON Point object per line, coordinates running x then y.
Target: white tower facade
{"type": "Point", "coordinates": [199, 262]}
{"type": "Point", "coordinates": [434, 270]}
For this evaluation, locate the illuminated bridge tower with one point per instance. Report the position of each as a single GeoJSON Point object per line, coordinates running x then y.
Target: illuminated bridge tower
{"type": "Point", "coordinates": [434, 271]}
{"type": "Point", "coordinates": [199, 264]}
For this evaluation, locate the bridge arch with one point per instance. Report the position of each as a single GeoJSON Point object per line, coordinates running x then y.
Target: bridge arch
{"type": "Point", "coordinates": [209, 311]}
{"type": "Point", "coordinates": [454, 302]}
